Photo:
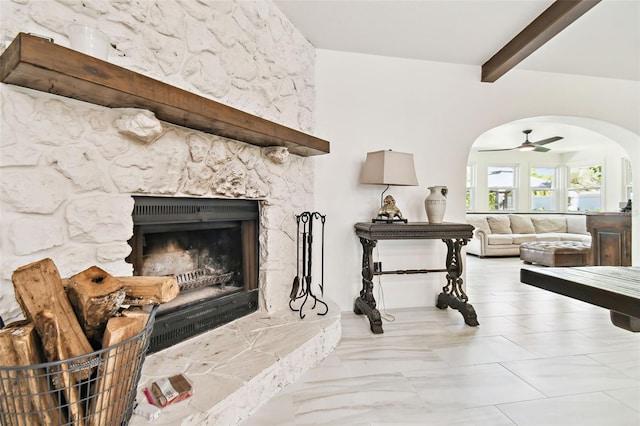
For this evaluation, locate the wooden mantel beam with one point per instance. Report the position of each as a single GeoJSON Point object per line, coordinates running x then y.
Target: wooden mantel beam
{"type": "Point", "coordinates": [554, 19]}
{"type": "Point", "coordinates": [39, 64]}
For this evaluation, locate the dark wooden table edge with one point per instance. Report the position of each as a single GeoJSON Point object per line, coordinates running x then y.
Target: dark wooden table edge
{"type": "Point", "coordinates": [624, 310]}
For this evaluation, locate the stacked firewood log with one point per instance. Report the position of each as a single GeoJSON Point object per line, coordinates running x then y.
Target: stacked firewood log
{"type": "Point", "coordinates": [73, 318]}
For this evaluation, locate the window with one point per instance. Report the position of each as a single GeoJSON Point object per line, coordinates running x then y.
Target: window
{"type": "Point", "coordinates": [501, 180]}
{"type": "Point", "coordinates": [542, 182]}
{"type": "Point", "coordinates": [470, 187]}
{"type": "Point", "coordinates": [627, 179]}
{"type": "Point", "coordinates": [583, 193]}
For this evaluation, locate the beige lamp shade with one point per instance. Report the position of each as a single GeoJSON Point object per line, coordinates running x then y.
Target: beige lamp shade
{"type": "Point", "coordinates": [389, 168]}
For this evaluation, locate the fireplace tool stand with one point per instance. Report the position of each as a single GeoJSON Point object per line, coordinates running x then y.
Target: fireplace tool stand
{"type": "Point", "coordinates": [302, 288]}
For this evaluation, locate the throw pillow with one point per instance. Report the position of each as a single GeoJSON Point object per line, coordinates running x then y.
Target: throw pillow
{"type": "Point", "coordinates": [521, 224]}
{"type": "Point", "coordinates": [577, 224]}
{"type": "Point", "coordinates": [479, 222]}
{"type": "Point", "coordinates": [549, 224]}
{"type": "Point", "coordinates": [499, 224]}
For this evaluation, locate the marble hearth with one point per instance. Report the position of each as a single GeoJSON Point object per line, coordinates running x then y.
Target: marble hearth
{"type": "Point", "coordinates": [237, 367]}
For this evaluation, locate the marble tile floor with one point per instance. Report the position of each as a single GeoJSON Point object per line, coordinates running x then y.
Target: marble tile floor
{"type": "Point", "coordinates": [537, 358]}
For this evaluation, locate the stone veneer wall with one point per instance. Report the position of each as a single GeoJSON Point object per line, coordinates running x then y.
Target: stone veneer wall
{"type": "Point", "coordinates": [68, 168]}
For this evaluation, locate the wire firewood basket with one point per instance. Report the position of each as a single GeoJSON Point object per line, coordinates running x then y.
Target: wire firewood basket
{"type": "Point", "coordinates": [95, 389]}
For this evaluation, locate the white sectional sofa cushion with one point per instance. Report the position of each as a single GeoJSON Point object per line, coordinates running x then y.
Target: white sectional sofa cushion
{"type": "Point", "coordinates": [502, 234]}
{"type": "Point", "coordinates": [544, 225]}
{"type": "Point", "coordinates": [499, 224]}
{"type": "Point", "coordinates": [521, 224]}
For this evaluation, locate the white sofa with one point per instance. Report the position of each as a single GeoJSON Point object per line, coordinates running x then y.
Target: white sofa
{"type": "Point", "coordinates": [501, 234]}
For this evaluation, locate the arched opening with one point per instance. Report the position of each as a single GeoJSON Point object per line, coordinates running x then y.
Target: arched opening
{"type": "Point", "coordinates": [594, 167]}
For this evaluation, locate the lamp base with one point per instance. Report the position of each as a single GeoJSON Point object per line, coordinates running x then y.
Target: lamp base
{"type": "Point", "coordinates": [375, 220]}
{"type": "Point", "coordinates": [389, 212]}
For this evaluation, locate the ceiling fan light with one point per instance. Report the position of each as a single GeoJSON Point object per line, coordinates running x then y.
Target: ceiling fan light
{"type": "Point", "coordinates": [527, 147]}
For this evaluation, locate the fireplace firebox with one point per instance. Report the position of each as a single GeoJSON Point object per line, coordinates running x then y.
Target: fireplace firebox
{"type": "Point", "coordinates": [211, 247]}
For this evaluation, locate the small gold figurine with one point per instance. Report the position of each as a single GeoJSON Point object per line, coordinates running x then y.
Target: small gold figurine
{"type": "Point", "coordinates": [389, 209]}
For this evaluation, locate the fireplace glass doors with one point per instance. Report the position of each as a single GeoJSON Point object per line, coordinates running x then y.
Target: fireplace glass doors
{"type": "Point", "coordinates": [211, 247]}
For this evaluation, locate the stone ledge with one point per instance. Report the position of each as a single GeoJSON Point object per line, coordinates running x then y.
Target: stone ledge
{"type": "Point", "coordinates": [238, 367]}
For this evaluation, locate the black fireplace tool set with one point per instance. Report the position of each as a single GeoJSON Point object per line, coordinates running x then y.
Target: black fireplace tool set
{"type": "Point", "coordinates": [302, 288]}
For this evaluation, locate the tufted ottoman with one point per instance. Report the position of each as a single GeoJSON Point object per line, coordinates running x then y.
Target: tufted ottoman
{"type": "Point", "coordinates": [555, 253]}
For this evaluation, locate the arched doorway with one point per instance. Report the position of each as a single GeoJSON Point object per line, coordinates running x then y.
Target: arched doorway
{"type": "Point", "coordinates": [584, 142]}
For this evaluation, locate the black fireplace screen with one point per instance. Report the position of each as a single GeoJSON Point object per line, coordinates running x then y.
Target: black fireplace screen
{"type": "Point", "coordinates": [211, 247]}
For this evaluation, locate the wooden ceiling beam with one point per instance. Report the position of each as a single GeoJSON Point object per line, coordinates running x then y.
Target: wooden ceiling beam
{"type": "Point", "coordinates": [554, 19]}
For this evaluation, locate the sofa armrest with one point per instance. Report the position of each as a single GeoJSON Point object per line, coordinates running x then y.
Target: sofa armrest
{"type": "Point", "coordinates": [478, 244]}
{"type": "Point", "coordinates": [481, 234]}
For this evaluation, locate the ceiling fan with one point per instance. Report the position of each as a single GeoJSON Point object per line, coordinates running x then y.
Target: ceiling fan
{"type": "Point", "coordinates": [527, 145]}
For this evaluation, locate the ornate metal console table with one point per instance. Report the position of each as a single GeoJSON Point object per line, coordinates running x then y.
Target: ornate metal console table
{"type": "Point", "coordinates": [454, 235]}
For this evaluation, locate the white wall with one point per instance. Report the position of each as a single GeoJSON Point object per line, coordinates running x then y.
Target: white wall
{"type": "Point", "coordinates": [435, 111]}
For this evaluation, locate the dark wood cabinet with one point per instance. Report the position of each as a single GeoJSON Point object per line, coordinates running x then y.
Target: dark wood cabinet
{"type": "Point", "coordinates": [610, 239]}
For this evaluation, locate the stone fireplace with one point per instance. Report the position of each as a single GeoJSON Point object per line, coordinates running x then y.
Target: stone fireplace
{"type": "Point", "coordinates": [69, 191]}
{"type": "Point", "coordinates": [72, 197]}
{"type": "Point", "coordinates": [70, 171]}
{"type": "Point", "coordinates": [70, 168]}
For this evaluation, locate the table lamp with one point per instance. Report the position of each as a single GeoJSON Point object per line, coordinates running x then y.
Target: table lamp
{"type": "Point", "coordinates": [389, 168]}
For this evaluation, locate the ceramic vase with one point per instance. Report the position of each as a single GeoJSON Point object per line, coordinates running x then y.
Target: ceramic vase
{"type": "Point", "coordinates": [89, 40]}
{"type": "Point", "coordinates": [436, 203]}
